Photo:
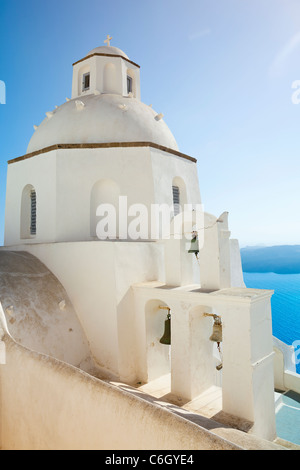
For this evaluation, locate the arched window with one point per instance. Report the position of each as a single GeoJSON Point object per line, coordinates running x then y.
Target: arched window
{"type": "Point", "coordinates": [28, 212]}
{"type": "Point", "coordinates": [179, 195]}
{"type": "Point", "coordinates": [32, 212]}
{"type": "Point", "coordinates": [176, 200]}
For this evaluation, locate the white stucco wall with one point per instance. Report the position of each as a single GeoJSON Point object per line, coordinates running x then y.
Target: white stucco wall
{"type": "Point", "coordinates": [165, 169]}
{"type": "Point", "coordinates": [129, 168]}
{"type": "Point", "coordinates": [236, 270]}
{"type": "Point", "coordinates": [40, 172]}
{"type": "Point", "coordinates": [217, 262]}
{"type": "Point", "coordinates": [64, 180]}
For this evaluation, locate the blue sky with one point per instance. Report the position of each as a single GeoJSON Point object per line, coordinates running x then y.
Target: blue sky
{"type": "Point", "coordinates": [221, 72]}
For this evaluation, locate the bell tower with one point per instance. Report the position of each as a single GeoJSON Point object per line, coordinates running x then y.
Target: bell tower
{"type": "Point", "coordinates": [106, 70]}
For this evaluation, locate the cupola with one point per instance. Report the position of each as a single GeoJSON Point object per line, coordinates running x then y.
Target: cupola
{"type": "Point", "coordinates": [106, 69]}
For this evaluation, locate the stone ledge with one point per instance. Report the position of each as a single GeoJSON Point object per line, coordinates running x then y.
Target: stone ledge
{"type": "Point", "coordinates": [99, 146]}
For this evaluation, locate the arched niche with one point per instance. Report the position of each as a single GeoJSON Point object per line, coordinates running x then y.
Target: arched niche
{"type": "Point", "coordinates": [158, 355]}
{"type": "Point", "coordinates": [110, 79]}
{"type": "Point", "coordinates": [28, 213]}
{"type": "Point", "coordinates": [105, 193]}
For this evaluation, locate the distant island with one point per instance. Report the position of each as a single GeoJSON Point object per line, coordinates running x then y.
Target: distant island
{"type": "Point", "coordinates": [283, 259]}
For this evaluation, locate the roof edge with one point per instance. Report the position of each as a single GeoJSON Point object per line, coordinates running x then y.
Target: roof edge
{"type": "Point", "coordinates": [106, 55]}
{"type": "Point", "coordinates": [102, 145]}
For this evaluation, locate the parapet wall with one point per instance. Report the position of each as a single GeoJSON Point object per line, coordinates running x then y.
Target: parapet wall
{"type": "Point", "coordinates": [49, 405]}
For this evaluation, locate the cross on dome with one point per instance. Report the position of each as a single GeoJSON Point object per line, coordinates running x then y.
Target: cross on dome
{"type": "Point", "coordinates": [108, 39]}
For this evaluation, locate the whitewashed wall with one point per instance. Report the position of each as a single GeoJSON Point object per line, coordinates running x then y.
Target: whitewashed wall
{"type": "Point", "coordinates": [49, 405]}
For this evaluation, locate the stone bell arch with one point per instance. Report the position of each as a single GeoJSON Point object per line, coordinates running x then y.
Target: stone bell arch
{"type": "Point", "coordinates": [158, 355]}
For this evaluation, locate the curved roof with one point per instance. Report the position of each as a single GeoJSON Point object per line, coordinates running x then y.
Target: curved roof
{"type": "Point", "coordinates": [104, 118]}
{"type": "Point", "coordinates": [111, 50]}
{"type": "Point", "coordinates": [38, 311]}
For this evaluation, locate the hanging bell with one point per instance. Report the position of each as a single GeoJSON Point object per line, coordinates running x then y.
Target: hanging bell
{"type": "Point", "coordinates": [194, 245]}
{"type": "Point", "coordinates": [166, 337]}
{"type": "Point", "coordinates": [217, 331]}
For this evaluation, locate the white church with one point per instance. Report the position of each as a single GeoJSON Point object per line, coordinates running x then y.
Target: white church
{"type": "Point", "coordinates": [114, 335]}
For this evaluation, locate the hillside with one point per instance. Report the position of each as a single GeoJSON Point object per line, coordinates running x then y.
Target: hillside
{"type": "Point", "coordinates": [283, 259]}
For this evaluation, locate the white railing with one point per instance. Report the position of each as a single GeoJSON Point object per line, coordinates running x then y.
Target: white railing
{"type": "Point", "coordinates": [286, 376]}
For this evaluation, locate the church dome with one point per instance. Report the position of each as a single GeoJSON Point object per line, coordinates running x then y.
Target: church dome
{"type": "Point", "coordinates": [102, 118]}
{"type": "Point", "coordinates": [110, 50]}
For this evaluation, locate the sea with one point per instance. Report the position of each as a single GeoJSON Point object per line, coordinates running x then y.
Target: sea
{"type": "Point", "coordinates": [285, 304]}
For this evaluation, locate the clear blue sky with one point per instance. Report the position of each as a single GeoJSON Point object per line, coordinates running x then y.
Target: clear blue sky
{"type": "Point", "coordinates": [221, 72]}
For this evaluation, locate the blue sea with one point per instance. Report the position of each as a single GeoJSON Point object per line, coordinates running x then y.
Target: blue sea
{"type": "Point", "coordinates": [285, 303]}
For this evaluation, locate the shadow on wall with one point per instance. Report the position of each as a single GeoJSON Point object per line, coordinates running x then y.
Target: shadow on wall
{"type": "Point", "coordinates": [38, 311]}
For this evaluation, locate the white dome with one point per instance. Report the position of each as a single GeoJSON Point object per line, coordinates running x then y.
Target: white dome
{"type": "Point", "coordinates": [102, 118]}
{"type": "Point", "coordinates": [108, 50]}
